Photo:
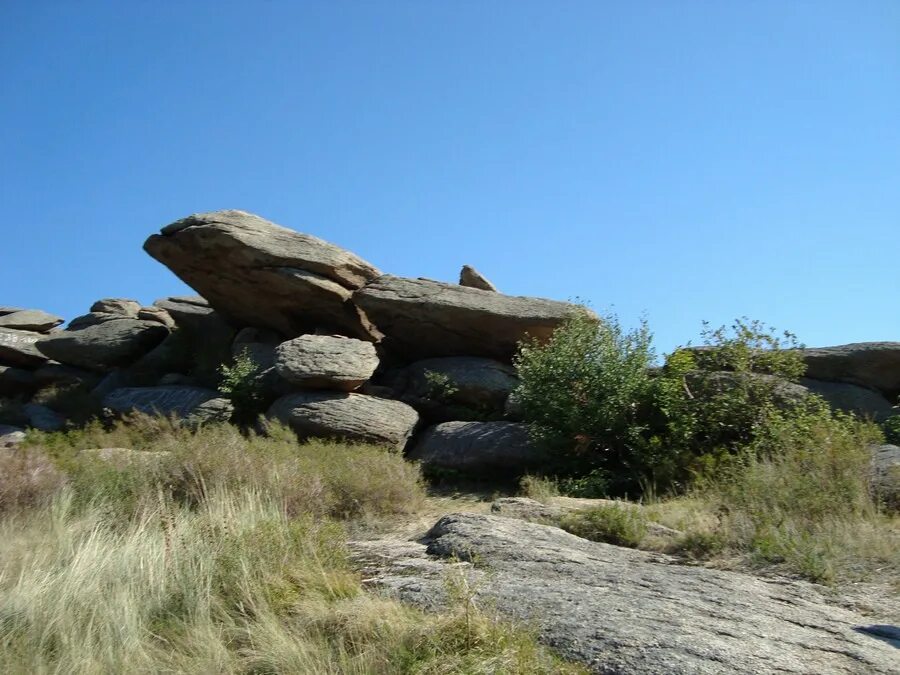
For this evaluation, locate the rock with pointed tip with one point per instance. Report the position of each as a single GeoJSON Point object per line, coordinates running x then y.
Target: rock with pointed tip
{"type": "Point", "coordinates": [469, 276]}
{"type": "Point", "coordinates": [261, 274]}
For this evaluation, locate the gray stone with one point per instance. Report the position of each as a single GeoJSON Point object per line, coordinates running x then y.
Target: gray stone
{"type": "Point", "coordinates": [7, 309]}
{"type": "Point", "coordinates": [424, 318]}
{"type": "Point", "coordinates": [352, 417]}
{"type": "Point", "coordinates": [17, 382]}
{"type": "Point", "coordinates": [182, 402]}
{"type": "Point", "coordinates": [104, 346]}
{"type": "Point", "coordinates": [157, 314]}
{"type": "Point", "coordinates": [486, 449]}
{"type": "Point", "coordinates": [120, 306]}
{"type": "Point", "coordinates": [30, 319]}
{"type": "Point", "coordinates": [10, 436]}
{"type": "Point", "coordinates": [42, 418]}
{"type": "Point", "coordinates": [886, 475]}
{"type": "Point", "coordinates": [205, 334]}
{"type": "Point", "coordinates": [18, 348]}
{"type": "Point", "coordinates": [58, 374]}
{"type": "Point", "coordinates": [261, 274]}
{"type": "Point", "coordinates": [459, 387]}
{"type": "Point", "coordinates": [622, 611]}
{"type": "Point", "coordinates": [469, 276]}
{"type": "Point", "coordinates": [528, 509]}
{"type": "Point", "coordinates": [852, 398]}
{"type": "Point", "coordinates": [326, 362]}
{"type": "Point", "coordinates": [92, 319]}
{"type": "Point", "coordinates": [214, 411]}
{"type": "Point", "coordinates": [875, 365]}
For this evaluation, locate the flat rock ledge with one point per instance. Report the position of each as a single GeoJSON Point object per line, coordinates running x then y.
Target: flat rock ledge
{"type": "Point", "coordinates": [620, 611]}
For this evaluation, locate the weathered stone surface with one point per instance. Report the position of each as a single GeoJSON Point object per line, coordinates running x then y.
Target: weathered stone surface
{"type": "Point", "coordinates": [622, 611]}
{"type": "Point", "coordinates": [7, 309]}
{"type": "Point", "coordinates": [105, 345]}
{"type": "Point", "coordinates": [92, 319]}
{"type": "Point", "coordinates": [875, 365]}
{"type": "Point", "coordinates": [182, 402]}
{"type": "Point", "coordinates": [58, 374]}
{"type": "Point", "coordinates": [204, 334]}
{"type": "Point", "coordinates": [262, 274]}
{"type": "Point", "coordinates": [17, 381]}
{"type": "Point", "coordinates": [353, 417]}
{"type": "Point", "coordinates": [119, 306]}
{"type": "Point", "coordinates": [426, 318]}
{"type": "Point", "coordinates": [326, 361]}
{"type": "Point", "coordinates": [886, 475]}
{"type": "Point", "coordinates": [528, 509]}
{"type": "Point", "coordinates": [30, 319]}
{"type": "Point", "coordinates": [459, 387]}
{"type": "Point", "coordinates": [469, 276]}
{"type": "Point", "coordinates": [852, 398]}
{"type": "Point", "coordinates": [42, 418]}
{"type": "Point", "coordinates": [496, 449]}
{"type": "Point", "coordinates": [18, 348]}
{"type": "Point", "coordinates": [10, 436]}
{"type": "Point", "coordinates": [157, 314]}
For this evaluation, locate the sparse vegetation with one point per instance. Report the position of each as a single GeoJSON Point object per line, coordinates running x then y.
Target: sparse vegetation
{"type": "Point", "coordinates": [209, 551]}
{"type": "Point", "coordinates": [620, 524]}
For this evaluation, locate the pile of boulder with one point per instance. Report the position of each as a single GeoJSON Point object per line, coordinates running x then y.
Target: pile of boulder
{"type": "Point", "coordinates": [338, 349]}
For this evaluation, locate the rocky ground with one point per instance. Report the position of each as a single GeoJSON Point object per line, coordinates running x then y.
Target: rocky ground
{"type": "Point", "coordinates": [619, 610]}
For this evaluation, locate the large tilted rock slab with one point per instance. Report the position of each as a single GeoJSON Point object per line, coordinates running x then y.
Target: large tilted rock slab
{"type": "Point", "coordinates": [886, 475]}
{"type": "Point", "coordinates": [326, 361]}
{"type": "Point", "coordinates": [353, 417]}
{"type": "Point", "coordinates": [194, 404]}
{"type": "Point", "coordinates": [261, 274]}
{"type": "Point", "coordinates": [103, 346]}
{"type": "Point", "coordinates": [622, 611]}
{"type": "Point", "coordinates": [19, 348]}
{"type": "Point", "coordinates": [484, 449]}
{"type": "Point", "coordinates": [30, 319]}
{"type": "Point", "coordinates": [875, 365]}
{"type": "Point", "coordinates": [426, 318]}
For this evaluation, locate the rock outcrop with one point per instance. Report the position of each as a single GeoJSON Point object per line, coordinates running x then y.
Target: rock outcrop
{"type": "Point", "coordinates": [454, 388]}
{"type": "Point", "coordinates": [424, 318]}
{"type": "Point", "coordinates": [483, 449]}
{"type": "Point", "coordinates": [30, 319]}
{"type": "Point", "coordinates": [618, 610]}
{"type": "Point", "coordinates": [353, 417]}
{"type": "Point", "coordinates": [469, 276]}
{"type": "Point", "coordinates": [260, 274]}
{"type": "Point", "coordinates": [19, 348]}
{"type": "Point", "coordinates": [875, 365]}
{"type": "Point", "coordinates": [103, 346]}
{"type": "Point", "coordinates": [193, 404]}
{"type": "Point", "coordinates": [326, 362]}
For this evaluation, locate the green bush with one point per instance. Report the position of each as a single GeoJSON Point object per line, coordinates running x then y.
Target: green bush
{"type": "Point", "coordinates": [582, 392]}
{"type": "Point", "coordinates": [891, 430]}
{"type": "Point", "coordinates": [619, 524]}
{"type": "Point", "coordinates": [240, 384]}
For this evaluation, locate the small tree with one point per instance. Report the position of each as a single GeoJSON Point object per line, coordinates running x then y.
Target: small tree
{"type": "Point", "coordinates": [583, 392]}
{"type": "Point", "coordinates": [240, 384]}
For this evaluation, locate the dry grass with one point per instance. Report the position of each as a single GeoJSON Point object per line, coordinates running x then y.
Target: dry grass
{"type": "Point", "coordinates": [225, 554]}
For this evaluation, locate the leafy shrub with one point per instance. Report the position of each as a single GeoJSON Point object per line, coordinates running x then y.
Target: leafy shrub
{"type": "Point", "coordinates": [619, 524]}
{"type": "Point", "coordinates": [891, 430]}
{"type": "Point", "coordinates": [240, 384]}
{"type": "Point", "coordinates": [582, 392]}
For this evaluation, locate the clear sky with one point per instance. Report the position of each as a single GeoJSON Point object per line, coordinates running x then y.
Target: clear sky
{"type": "Point", "coordinates": [682, 160]}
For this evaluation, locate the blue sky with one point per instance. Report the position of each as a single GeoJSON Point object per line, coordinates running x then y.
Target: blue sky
{"type": "Point", "coordinates": [685, 161]}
